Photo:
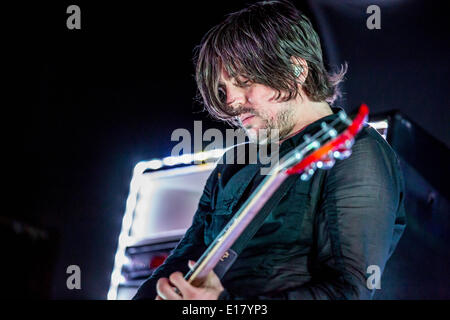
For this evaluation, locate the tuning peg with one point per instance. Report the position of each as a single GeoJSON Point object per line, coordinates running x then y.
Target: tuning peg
{"type": "Point", "coordinates": [305, 176]}
{"type": "Point", "coordinates": [328, 163]}
{"type": "Point", "coordinates": [349, 143]}
{"type": "Point", "coordinates": [344, 118]}
{"type": "Point", "coordinates": [308, 173]}
{"type": "Point", "coordinates": [330, 130]}
{"type": "Point", "coordinates": [342, 154]}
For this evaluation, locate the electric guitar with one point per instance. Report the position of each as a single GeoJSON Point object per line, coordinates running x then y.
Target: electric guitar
{"type": "Point", "coordinates": [319, 151]}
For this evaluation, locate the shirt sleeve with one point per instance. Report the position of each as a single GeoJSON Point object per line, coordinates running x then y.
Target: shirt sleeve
{"type": "Point", "coordinates": [358, 224]}
{"type": "Point", "coordinates": [190, 247]}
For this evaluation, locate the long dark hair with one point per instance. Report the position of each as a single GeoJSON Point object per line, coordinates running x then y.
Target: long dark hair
{"type": "Point", "coordinates": [257, 43]}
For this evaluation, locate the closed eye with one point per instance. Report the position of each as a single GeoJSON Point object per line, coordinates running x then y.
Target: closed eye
{"type": "Point", "coordinates": [245, 83]}
{"type": "Point", "coordinates": [222, 94]}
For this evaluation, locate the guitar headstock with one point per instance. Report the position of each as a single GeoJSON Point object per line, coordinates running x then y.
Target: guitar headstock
{"type": "Point", "coordinates": [332, 142]}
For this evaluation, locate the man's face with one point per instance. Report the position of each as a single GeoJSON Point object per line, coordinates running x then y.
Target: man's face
{"type": "Point", "coordinates": [257, 110]}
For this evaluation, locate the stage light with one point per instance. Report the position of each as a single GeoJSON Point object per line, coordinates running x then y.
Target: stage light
{"type": "Point", "coordinates": [127, 220]}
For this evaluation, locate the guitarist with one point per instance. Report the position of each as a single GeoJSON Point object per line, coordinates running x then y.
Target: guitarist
{"type": "Point", "coordinates": [262, 68]}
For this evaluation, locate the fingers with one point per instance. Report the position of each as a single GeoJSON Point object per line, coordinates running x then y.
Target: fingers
{"type": "Point", "coordinates": [166, 287]}
{"type": "Point", "coordinates": [166, 291]}
{"type": "Point", "coordinates": [213, 276]}
{"type": "Point", "coordinates": [178, 280]}
{"type": "Point", "coordinates": [213, 281]}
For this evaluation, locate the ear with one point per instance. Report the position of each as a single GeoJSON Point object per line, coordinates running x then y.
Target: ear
{"type": "Point", "coordinates": [301, 65]}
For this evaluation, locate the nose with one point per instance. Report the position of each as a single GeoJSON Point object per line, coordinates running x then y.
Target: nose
{"type": "Point", "coordinates": [236, 97]}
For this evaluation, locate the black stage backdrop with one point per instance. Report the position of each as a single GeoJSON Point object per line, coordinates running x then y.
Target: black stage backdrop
{"type": "Point", "coordinates": [110, 95]}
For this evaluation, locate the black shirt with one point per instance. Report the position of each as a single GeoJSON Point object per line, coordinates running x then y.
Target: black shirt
{"type": "Point", "coordinates": [323, 238]}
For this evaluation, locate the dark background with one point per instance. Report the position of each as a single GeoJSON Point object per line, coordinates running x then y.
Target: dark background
{"type": "Point", "coordinates": [110, 95]}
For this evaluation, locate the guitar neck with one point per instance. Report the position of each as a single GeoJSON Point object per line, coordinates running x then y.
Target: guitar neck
{"type": "Point", "coordinates": [235, 227]}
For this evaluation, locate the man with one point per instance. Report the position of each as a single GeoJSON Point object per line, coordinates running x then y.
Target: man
{"type": "Point", "coordinates": [262, 69]}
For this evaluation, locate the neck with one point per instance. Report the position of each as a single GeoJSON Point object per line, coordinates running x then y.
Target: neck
{"type": "Point", "coordinates": [308, 112]}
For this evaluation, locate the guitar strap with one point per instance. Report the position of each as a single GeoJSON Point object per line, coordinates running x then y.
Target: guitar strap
{"type": "Point", "coordinates": [231, 254]}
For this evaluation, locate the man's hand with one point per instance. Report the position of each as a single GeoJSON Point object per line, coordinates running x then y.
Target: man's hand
{"type": "Point", "coordinates": [210, 289]}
